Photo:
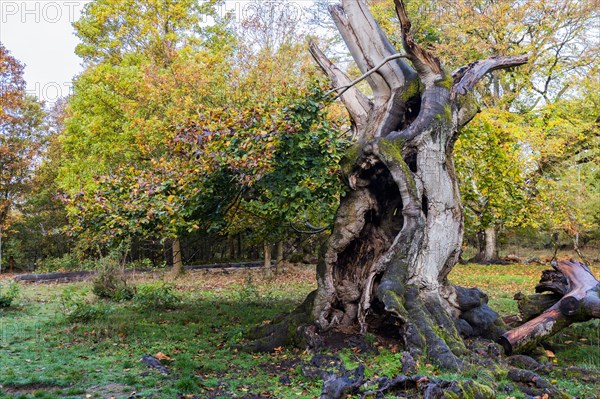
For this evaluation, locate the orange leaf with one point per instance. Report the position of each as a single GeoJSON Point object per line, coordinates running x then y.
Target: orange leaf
{"type": "Point", "coordinates": [162, 356]}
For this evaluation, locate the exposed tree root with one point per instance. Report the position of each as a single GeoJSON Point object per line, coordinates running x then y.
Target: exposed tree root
{"type": "Point", "coordinates": [532, 384]}
{"type": "Point", "coordinates": [291, 329]}
{"type": "Point", "coordinates": [426, 330]}
{"type": "Point", "coordinates": [338, 382]}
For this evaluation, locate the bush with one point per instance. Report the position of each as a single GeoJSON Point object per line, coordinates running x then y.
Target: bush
{"type": "Point", "coordinates": [249, 291]}
{"type": "Point", "coordinates": [111, 282]}
{"type": "Point", "coordinates": [112, 286]}
{"type": "Point", "coordinates": [67, 263]}
{"type": "Point", "coordinates": [8, 294]}
{"type": "Point", "coordinates": [77, 307]}
{"type": "Point", "coordinates": [156, 295]}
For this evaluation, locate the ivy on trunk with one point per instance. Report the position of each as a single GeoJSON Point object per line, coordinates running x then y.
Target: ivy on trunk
{"type": "Point", "coordinates": [398, 231]}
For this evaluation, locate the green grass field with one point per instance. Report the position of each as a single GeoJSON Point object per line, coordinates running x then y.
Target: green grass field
{"type": "Point", "coordinates": [45, 355]}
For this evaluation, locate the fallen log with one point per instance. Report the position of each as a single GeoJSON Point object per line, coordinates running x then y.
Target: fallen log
{"type": "Point", "coordinates": [67, 277]}
{"type": "Point", "coordinates": [54, 277]}
{"type": "Point", "coordinates": [235, 265]}
{"type": "Point", "coordinates": [575, 297]}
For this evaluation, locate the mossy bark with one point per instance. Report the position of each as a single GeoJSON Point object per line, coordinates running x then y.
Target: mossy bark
{"type": "Point", "coordinates": [398, 230]}
{"type": "Point", "coordinates": [397, 235]}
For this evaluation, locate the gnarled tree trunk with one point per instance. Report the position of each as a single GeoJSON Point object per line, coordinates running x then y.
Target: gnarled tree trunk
{"type": "Point", "coordinates": [399, 229]}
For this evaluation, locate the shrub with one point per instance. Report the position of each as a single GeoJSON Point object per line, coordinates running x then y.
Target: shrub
{"type": "Point", "coordinates": [249, 291]}
{"type": "Point", "coordinates": [8, 294]}
{"type": "Point", "coordinates": [156, 295]}
{"type": "Point", "coordinates": [112, 286]}
{"type": "Point", "coordinates": [66, 263]}
{"type": "Point", "coordinates": [111, 282]}
{"type": "Point", "coordinates": [77, 307]}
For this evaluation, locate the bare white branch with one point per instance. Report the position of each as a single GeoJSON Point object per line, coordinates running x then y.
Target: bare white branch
{"type": "Point", "coordinates": [366, 75]}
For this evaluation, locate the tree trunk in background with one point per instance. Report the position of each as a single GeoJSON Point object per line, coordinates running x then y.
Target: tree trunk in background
{"type": "Point", "coordinates": [279, 258]}
{"type": "Point", "coordinates": [231, 241]}
{"type": "Point", "coordinates": [177, 261]}
{"type": "Point", "coordinates": [491, 244]}
{"type": "Point", "coordinates": [267, 262]}
{"type": "Point", "coordinates": [487, 246]}
{"type": "Point", "coordinates": [398, 231]}
{"type": "Point", "coordinates": [555, 243]}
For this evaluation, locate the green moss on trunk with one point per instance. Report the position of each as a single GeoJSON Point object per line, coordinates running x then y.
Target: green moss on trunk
{"type": "Point", "coordinates": [412, 89]}
{"type": "Point", "coordinates": [350, 158]}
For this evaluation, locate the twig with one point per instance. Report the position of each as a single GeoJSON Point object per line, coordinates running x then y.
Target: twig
{"type": "Point", "coordinates": [365, 75]}
{"type": "Point", "coordinates": [314, 231]}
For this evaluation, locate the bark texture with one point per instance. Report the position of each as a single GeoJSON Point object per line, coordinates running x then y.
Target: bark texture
{"type": "Point", "coordinates": [399, 229]}
{"type": "Point", "coordinates": [177, 259]}
{"type": "Point", "coordinates": [574, 297]}
{"type": "Point", "coordinates": [487, 246]}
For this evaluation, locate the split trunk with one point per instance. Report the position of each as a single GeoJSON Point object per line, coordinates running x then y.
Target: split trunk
{"type": "Point", "coordinates": [487, 246]}
{"type": "Point", "coordinates": [398, 230]}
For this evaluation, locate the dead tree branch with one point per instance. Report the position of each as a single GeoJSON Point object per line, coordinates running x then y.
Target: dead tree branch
{"type": "Point", "coordinates": [580, 302]}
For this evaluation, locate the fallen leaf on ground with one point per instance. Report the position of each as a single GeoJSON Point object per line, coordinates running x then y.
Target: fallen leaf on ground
{"type": "Point", "coordinates": [162, 356]}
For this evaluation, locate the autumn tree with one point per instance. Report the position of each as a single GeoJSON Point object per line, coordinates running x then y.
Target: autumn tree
{"type": "Point", "coordinates": [148, 66]}
{"type": "Point", "coordinates": [270, 43]}
{"type": "Point", "coordinates": [492, 169]}
{"type": "Point", "coordinates": [12, 100]}
{"type": "Point", "coordinates": [556, 37]}
{"type": "Point", "coordinates": [37, 233]}
{"type": "Point", "coordinates": [21, 131]}
{"type": "Point", "coordinates": [215, 137]}
{"type": "Point", "coordinates": [267, 26]}
{"type": "Point", "coordinates": [564, 175]}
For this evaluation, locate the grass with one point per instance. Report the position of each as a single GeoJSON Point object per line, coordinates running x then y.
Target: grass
{"type": "Point", "coordinates": [44, 355]}
{"type": "Point", "coordinates": [500, 282]}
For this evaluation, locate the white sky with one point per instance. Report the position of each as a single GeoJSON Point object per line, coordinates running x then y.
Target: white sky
{"type": "Point", "coordinates": [39, 34]}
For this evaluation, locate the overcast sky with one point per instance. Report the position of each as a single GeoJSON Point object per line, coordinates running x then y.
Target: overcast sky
{"type": "Point", "coordinates": [39, 33]}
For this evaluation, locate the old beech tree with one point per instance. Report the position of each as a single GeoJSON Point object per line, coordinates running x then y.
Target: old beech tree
{"type": "Point", "coordinates": [399, 229]}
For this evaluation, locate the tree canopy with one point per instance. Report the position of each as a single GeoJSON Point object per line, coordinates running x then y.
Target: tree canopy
{"type": "Point", "coordinates": [186, 121]}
